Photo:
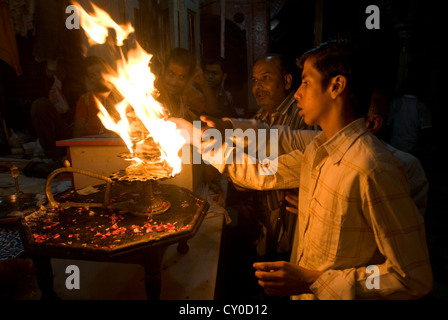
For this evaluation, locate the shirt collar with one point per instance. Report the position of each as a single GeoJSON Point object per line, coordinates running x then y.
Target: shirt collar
{"type": "Point", "coordinates": [339, 144]}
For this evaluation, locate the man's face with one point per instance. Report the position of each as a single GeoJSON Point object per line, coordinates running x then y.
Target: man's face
{"type": "Point", "coordinates": [175, 78]}
{"type": "Point", "coordinates": [214, 75]}
{"type": "Point", "coordinates": [96, 79]}
{"type": "Point", "coordinates": [268, 84]}
{"type": "Point", "coordinates": [311, 101]}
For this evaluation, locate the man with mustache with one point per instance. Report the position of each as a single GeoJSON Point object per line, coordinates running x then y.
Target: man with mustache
{"type": "Point", "coordinates": [182, 87]}
{"type": "Point", "coordinates": [273, 89]}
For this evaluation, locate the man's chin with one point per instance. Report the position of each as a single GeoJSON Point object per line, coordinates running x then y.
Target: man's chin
{"type": "Point", "coordinates": [266, 106]}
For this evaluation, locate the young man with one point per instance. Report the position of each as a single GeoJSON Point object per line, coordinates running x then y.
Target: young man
{"type": "Point", "coordinates": [355, 214]}
{"type": "Point", "coordinates": [51, 126]}
{"type": "Point", "coordinates": [86, 120]}
{"type": "Point", "coordinates": [378, 112]}
{"type": "Point", "coordinates": [215, 73]}
{"type": "Point", "coordinates": [182, 87]}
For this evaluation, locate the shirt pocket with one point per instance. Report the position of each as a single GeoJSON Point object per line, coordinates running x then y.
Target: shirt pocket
{"type": "Point", "coordinates": [323, 232]}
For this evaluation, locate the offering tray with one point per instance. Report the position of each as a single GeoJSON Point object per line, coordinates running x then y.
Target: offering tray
{"type": "Point", "coordinates": [95, 226]}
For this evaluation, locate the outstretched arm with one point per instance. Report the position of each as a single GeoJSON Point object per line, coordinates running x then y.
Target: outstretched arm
{"type": "Point", "coordinates": [247, 170]}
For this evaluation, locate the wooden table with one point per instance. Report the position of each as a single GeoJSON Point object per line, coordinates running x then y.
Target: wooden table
{"type": "Point", "coordinates": [100, 234]}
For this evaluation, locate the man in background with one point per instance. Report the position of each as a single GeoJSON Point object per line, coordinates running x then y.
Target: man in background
{"type": "Point", "coordinates": [265, 229]}
{"type": "Point", "coordinates": [182, 86]}
{"type": "Point", "coordinates": [51, 126]}
{"type": "Point", "coordinates": [375, 122]}
{"type": "Point", "coordinates": [215, 71]}
{"type": "Point", "coordinates": [273, 89]}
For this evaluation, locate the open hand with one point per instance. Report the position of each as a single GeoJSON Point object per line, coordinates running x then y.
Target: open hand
{"type": "Point", "coordinates": [216, 123]}
{"type": "Point", "coordinates": [191, 134]}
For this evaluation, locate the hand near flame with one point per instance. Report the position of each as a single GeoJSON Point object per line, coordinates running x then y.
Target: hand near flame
{"type": "Point", "coordinates": [217, 123]}
{"type": "Point", "coordinates": [193, 134]}
{"type": "Point", "coordinates": [190, 133]}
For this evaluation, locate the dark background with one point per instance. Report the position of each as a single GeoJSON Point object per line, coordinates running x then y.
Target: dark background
{"type": "Point", "coordinates": [414, 27]}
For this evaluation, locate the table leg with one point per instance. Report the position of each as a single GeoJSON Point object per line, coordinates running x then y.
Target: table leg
{"type": "Point", "coordinates": [44, 277]}
{"type": "Point", "coordinates": [182, 247]}
{"type": "Point", "coordinates": [152, 262]}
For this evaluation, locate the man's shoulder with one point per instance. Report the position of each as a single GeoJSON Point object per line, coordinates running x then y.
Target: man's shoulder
{"type": "Point", "coordinates": [371, 155]}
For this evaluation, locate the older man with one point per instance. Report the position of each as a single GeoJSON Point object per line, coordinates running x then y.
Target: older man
{"type": "Point", "coordinates": [273, 89]}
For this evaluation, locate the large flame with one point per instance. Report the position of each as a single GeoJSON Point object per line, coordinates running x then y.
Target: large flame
{"type": "Point", "coordinates": [96, 25]}
{"type": "Point", "coordinates": [135, 82]}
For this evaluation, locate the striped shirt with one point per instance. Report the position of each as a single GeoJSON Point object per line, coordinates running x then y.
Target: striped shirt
{"type": "Point", "coordinates": [354, 212]}
{"type": "Point", "coordinates": [278, 224]}
{"type": "Point", "coordinates": [286, 114]}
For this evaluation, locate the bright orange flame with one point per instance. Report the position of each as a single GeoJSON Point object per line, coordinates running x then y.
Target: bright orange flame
{"type": "Point", "coordinates": [96, 25]}
{"type": "Point", "coordinates": [135, 82]}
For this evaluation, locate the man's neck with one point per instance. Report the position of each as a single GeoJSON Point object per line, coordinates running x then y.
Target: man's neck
{"type": "Point", "coordinates": [334, 123]}
{"type": "Point", "coordinates": [216, 91]}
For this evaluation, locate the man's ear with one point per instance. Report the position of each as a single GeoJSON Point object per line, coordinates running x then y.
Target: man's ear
{"type": "Point", "coordinates": [338, 85]}
{"type": "Point", "coordinates": [287, 81]}
{"type": "Point", "coordinates": [374, 123]}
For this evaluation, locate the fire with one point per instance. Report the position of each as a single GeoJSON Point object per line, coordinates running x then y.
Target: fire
{"type": "Point", "coordinates": [96, 25]}
{"type": "Point", "coordinates": [141, 116]}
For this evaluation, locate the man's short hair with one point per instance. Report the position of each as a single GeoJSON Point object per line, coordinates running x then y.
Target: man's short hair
{"type": "Point", "coordinates": [182, 57]}
{"type": "Point", "coordinates": [287, 66]}
{"type": "Point", "coordinates": [342, 57]}
{"type": "Point", "coordinates": [216, 60]}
